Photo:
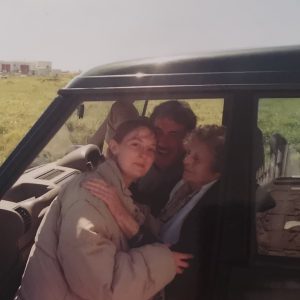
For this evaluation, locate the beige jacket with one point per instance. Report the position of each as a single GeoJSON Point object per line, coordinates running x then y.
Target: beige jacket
{"type": "Point", "coordinates": [81, 253]}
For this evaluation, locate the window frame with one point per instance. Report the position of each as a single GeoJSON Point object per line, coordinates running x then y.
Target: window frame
{"type": "Point", "coordinates": [272, 261]}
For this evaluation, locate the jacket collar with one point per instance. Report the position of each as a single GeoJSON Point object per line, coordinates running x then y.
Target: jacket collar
{"type": "Point", "coordinates": [110, 171]}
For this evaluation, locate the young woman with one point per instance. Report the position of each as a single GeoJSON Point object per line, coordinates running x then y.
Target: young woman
{"type": "Point", "coordinates": [80, 251]}
{"type": "Point", "coordinates": [189, 220]}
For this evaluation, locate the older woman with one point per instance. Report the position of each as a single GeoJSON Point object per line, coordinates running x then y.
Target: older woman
{"type": "Point", "coordinates": [188, 221]}
{"type": "Point", "coordinates": [191, 214]}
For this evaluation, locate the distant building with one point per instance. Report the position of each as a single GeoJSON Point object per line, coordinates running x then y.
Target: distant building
{"type": "Point", "coordinates": [39, 68]}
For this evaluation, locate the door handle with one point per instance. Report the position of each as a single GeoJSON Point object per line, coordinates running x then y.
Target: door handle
{"type": "Point", "coordinates": [291, 224]}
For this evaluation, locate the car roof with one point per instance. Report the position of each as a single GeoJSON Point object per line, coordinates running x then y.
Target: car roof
{"type": "Point", "coordinates": [267, 66]}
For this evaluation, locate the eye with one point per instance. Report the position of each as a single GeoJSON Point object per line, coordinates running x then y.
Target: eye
{"type": "Point", "coordinates": [187, 152]}
{"type": "Point", "coordinates": [173, 134]}
{"type": "Point", "coordinates": [151, 150]}
{"type": "Point", "coordinates": [196, 159]}
{"type": "Point", "coordinates": [176, 134]}
{"type": "Point", "coordinates": [134, 144]}
{"type": "Point", "coordinates": [158, 131]}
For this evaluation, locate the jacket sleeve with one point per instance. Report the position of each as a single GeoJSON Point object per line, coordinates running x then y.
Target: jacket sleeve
{"type": "Point", "coordinates": [152, 223]}
{"type": "Point", "coordinates": [95, 268]}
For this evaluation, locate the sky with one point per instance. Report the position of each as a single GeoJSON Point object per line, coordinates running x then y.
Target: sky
{"type": "Point", "coordinates": [80, 34]}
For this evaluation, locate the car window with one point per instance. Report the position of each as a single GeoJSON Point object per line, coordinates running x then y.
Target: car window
{"type": "Point", "coordinates": [77, 130]}
{"type": "Point", "coordinates": [277, 164]}
{"type": "Point", "coordinates": [22, 101]}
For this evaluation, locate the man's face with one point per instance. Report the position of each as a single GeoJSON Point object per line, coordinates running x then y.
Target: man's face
{"type": "Point", "coordinates": [170, 137]}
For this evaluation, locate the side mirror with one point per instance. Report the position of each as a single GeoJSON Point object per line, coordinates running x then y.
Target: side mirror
{"type": "Point", "coordinates": [80, 111]}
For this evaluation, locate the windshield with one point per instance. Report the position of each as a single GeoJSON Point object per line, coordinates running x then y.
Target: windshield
{"type": "Point", "coordinates": [75, 131]}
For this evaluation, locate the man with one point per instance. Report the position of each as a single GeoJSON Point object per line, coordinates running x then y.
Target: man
{"type": "Point", "coordinates": [172, 120]}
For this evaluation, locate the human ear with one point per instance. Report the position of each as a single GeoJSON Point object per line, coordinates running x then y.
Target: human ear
{"type": "Point", "coordinates": [217, 175]}
{"type": "Point", "coordinates": [113, 147]}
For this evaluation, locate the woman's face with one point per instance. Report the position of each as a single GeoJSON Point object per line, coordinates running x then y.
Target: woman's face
{"type": "Point", "coordinates": [198, 164]}
{"type": "Point", "coordinates": [135, 153]}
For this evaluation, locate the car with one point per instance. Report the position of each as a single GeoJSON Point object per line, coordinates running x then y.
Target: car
{"type": "Point", "coordinates": [254, 93]}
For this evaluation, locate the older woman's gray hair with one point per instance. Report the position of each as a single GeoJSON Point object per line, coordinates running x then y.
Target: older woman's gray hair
{"type": "Point", "coordinates": [214, 137]}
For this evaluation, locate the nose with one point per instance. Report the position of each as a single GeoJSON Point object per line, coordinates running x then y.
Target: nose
{"type": "Point", "coordinates": [187, 159]}
{"type": "Point", "coordinates": [144, 153]}
{"type": "Point", "coordinates": [161, 139]}
{"type": "Point", "coordinates": [165, 139]}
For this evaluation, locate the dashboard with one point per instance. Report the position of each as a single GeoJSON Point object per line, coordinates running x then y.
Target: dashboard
{"type": "Point", "coordinates": [24, 205]}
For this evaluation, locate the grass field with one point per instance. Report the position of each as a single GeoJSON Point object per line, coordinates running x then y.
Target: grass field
{"type": "Point", "coordinates": [22, 100]}
{"type": "Point", "coordinates": [281, 116]}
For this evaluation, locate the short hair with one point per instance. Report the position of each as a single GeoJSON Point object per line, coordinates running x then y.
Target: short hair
{"type": "Point", "coordinates": [178, 111]}
{"type": "Point", "coordinates": [214, 137]}
{"type": "Point", "coordinates": [126, 127]}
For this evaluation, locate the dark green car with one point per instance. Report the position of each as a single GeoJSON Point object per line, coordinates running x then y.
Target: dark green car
{"type": "Point", "coordinates": [255, 94]}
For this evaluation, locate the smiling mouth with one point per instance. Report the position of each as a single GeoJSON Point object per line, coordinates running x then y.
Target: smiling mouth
{"type": "Point", "coordinates": [140, 165]}
{"type": "Point", "coordinates": [161, 151]}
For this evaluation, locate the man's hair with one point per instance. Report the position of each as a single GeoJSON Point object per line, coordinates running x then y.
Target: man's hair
{"type": "Point", "coordinates": [178, 111]}
{"type": "Point", "coordinates": [214, 137]}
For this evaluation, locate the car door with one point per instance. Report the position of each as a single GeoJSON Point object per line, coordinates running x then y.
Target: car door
{"type": "Point", "coordinates": [258, 244]}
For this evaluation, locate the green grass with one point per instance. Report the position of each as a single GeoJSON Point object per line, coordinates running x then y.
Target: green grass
{"type": "Point", "coordinates": [22, 100]}
{"type": "Point", "coordinates": [94, 115]}
{"type": "Point", "coordinates": [280, 116]}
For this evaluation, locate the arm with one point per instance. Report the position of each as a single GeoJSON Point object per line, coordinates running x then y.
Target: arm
{"type": "Point", "coordinates": [136, 234]}
{"type": "Point", "coordinates": [96, 268]}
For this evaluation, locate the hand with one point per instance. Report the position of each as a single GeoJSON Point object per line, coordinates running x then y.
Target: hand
{"type": "Point", "coordinates": [104, 191]}
{"type": "Point", "coordinates": [181, 261]}
{"type": "Point", "coordinates": [108, 194]}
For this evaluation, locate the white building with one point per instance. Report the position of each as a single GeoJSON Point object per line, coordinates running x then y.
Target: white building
{"type": "Point", "coordinates": [39, 68]}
